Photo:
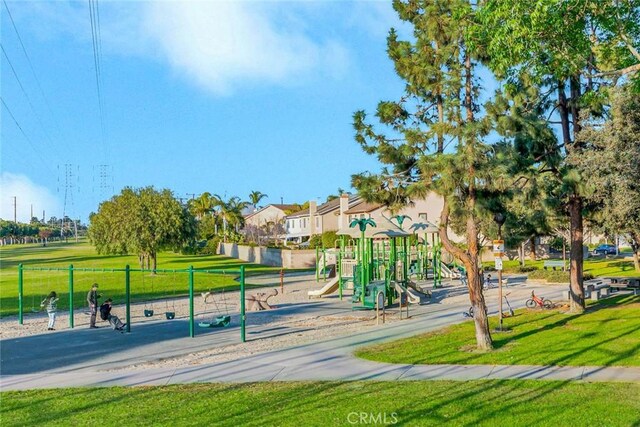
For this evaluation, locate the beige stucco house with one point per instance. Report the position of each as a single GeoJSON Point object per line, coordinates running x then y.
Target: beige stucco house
{"type": "Point", "coordinates": [269, 214]}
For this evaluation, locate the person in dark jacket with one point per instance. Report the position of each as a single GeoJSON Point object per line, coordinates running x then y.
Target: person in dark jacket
{"type": "Point", "coordinates": [92, 300]}
{"type": "Point", "coordinates": [114, 321]}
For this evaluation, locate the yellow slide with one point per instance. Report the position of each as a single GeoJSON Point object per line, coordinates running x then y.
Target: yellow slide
{"type": "Point", "coordinates": [327, 289]}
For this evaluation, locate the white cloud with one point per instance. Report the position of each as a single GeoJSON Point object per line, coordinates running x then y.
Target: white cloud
{"type": "Point", "coordinates": [223, 46]}
{"type": "Point", "coordinates": [26, 193]}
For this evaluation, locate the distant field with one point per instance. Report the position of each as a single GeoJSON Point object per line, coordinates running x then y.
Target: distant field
{"type": "Point", "coordinates": [82, 255]}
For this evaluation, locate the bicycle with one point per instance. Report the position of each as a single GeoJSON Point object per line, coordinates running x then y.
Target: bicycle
{"type": "Point", "coordinates": [535, 301]}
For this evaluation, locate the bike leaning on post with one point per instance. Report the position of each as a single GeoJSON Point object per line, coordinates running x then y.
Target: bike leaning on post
{"type": "Point", "coordinates": [536, 301]}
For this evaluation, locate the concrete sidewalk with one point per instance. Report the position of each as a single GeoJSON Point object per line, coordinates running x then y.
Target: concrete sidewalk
{"type": "Point", "coordinates": [339, 370]}
{"type": "Point", "coordinates": [76, 361]}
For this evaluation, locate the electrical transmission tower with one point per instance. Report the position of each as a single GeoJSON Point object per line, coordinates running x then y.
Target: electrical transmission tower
{"type": "Point", "coordinates": [71, 179]}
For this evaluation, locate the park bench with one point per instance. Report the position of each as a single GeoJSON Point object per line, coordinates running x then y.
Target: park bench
{"type": "Point", "coordinates": [554, 264]}
{"type": "Point", "coordinates": [594, 289]}
{"type": "Point", "coordinates": [626, 283]}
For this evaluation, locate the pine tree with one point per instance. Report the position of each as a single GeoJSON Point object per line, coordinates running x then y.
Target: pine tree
{"type": "Point", "coordinates": [435, 138]}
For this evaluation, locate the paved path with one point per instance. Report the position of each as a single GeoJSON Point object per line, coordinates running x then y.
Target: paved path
{"type": "Point", "coordinates": [102, 358]}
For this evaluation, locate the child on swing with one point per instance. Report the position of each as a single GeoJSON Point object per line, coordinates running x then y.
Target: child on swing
{"type": "Point", "coordinates": [114, 321]}
{"type": "Point", "coordinates": [50, 303]}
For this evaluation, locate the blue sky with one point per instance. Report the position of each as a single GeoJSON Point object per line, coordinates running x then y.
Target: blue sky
{"type": "Point", "coordinates": [198, 96]}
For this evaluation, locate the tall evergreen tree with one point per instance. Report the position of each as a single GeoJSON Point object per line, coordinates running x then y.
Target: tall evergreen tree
{"type": "Point", "coordinates": [435, 135]}
{"type": "Point", "coordinates": [571, 50]}
{"type": "Point", "coordinates": [609, 161]}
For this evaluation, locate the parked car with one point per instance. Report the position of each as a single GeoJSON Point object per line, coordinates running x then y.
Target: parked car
{"type": "Point", "coordinates": [605, 250]}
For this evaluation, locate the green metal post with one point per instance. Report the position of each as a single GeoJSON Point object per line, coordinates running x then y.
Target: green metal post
{"type": "Point", "coordinates": [405, 267]}
{"type": "Point", "coordinates": [71, 295]}
{"type": "Point", "coordinates": [127, 295]}
{"type": "Point", "coordinates": [339, 271]}
{"type": "Point", "coordinates": [393, 262]}
{"type": "Point", "coordinates": [20, 296]}
{"type": "Point", "coordinates": [363, 272]}
{"type": "Point", "coordinates": [372, 271]}
{"type": "Point", "coordinates": [192, 323]}
{"type": "Point", "coordinates": [317, 264]}
{"type": "Point", "coordinates": [243, 317]}
{"type": "Point", "coordinates": [324, 264]}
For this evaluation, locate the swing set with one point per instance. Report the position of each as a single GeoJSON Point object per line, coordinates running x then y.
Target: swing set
{"type": "Point", "coordinates": [219, 320]}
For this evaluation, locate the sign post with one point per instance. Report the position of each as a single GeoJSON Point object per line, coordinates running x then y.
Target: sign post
{"type": "Point", "coordinates": [498, 253]}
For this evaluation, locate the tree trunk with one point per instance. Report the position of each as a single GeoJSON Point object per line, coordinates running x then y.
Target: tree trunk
{"type": "Point", "coordinates": [440, 105]}
{"type": "Point", "coordinates": [576, 294]}
{"type": "Point", "coordinates": [470, 259]}
{"type": "Point", "coordinates": [635, 247]}
{"type": "Point", "coordinates": [154, 261]}
{"type": "Point", "coordinates": [533, 248]}
{"type": "Point", "coordinates": [476, 297]}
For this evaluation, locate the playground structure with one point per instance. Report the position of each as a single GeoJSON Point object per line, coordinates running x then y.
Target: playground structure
{"type": "Point", "coordinates": [76, 294]}
{"type": "Point", "coordinates": [382, 259]}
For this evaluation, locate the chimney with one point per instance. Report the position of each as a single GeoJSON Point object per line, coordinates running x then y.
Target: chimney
{"type": "Point", "coordinates": [344, 206]}
{"type": "Point", "coordinates": [313, 210]}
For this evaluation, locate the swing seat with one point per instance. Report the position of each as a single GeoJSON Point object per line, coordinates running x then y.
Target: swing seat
{"type": "Point", "coordinates": [170, 315]}
{"type": "Point", "coordinates": [148, 313]}
{"type": "Point", "coordinates": [220, 321]}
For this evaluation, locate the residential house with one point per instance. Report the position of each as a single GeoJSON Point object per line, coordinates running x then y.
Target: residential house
{"type": "Point", "coordinates": [420, 212]}
{"type": "Point", "coordinates": [269, 214]}
{"type": "Point", "coordinates": [329, 216]}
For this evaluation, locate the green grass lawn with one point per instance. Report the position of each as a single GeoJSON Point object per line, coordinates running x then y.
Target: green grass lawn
{"type": "Point", "coordinates": [608, 334]}
{"type": "Point", "coordinates": [483, 403]}
{"type": "Point", "coordinates": [38, 284]}
{"type": "Point", "coordinates": [597, 267]}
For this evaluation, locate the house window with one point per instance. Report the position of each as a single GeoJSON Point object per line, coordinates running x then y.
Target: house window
{"type": "Point", "coordinates": [422, 216]}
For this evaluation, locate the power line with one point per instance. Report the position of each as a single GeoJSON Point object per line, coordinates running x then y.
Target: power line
{"type": "Point", "coordinates": [33, 71]}
{"type": "Point", "coordinates": [25, 136]}
{"type": "Point", "coordinates": [97, 54]}
{"type": "Point", "coordinates": [26, 95]}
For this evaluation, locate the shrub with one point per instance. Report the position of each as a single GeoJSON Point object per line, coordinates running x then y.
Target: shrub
{"type": "Point", "coordinates": [527, 268]}
{"type": "Point", "coordinates": [315, 241]}
{"type": "Point", "coordinates": [329, 239]}
{"type": "Point", "coordinates": [557, 276]}
{"type": "Point", "coordinates": [211, 247]}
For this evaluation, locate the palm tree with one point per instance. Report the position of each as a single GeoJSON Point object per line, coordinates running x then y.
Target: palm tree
{"type": "Point", "coordinates": [202, 205]}
{"type": "Point", "coordinates": [255, 197]}
{"type": "Point", "coordinates": [230, 211]}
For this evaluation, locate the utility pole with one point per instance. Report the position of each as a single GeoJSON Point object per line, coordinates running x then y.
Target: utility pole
{"type": "Point", "coordinates": [15, 204]}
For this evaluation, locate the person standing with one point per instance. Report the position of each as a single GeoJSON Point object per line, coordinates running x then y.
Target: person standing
{"type": "Point", "coordinates": [51, 305]}
{"type": "Point", "coordinates": [92, 300]}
